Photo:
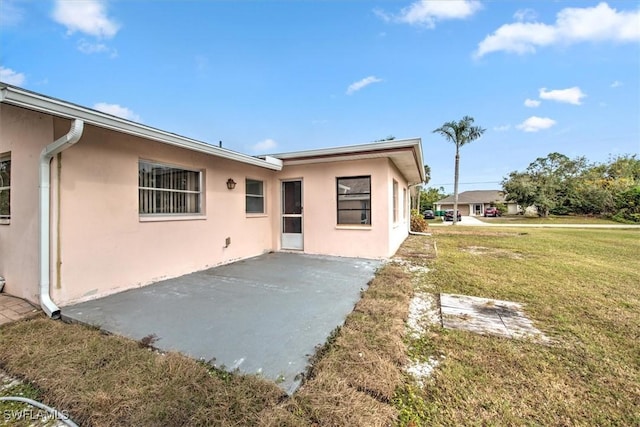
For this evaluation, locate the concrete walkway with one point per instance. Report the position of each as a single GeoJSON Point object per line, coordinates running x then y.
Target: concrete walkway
{"type": "Point", "coordinates": [264, 315]}
{"type": "Point", "coordinates": [13, 308]}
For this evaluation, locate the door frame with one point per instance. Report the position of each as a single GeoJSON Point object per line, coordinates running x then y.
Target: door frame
{"type": "Point", "coordinates": [291, 241]}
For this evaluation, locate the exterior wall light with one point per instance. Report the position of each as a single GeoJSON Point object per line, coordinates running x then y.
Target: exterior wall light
{"type": "Point", "coordinates": [231, 184]}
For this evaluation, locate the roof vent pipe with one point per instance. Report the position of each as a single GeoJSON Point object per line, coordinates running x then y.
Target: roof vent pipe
{"type": "Point", "coordinates": [48, 152]}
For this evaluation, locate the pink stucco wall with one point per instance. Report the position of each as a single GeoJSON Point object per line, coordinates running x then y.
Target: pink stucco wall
{"type": "Point", "coordinates": [399, 230]}
{"type": "Point", "coordinates": [23, 133]}
{"type": "Point", "coordinates": [106, 245]}
{"type": "Point", "coordinates": [322, 234]}
{"type": "Point", "coordinates": [101, 245]}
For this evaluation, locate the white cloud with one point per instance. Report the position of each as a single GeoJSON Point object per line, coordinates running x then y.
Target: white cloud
{"type": "Point", "coordinates": [89, 48]}
{"type": "Point", "coordinates": [428, 12]}
{"type": "Point", "coordinates": [86, 16]}
{"type": "Point", "coordinates": [117, 110]}
{"type": "Point", "coordinates": [524, 15]}
{"type": "Point", "coordinates": [573, 25]}
{"type": "Point", "coordinates": [616, 84]}
{"type": "Point", "coordinates": [532, 103]}
{"type": "Point", "coordinates": [11, 77]}
{"type": "Point", "coordinates": [534, 124]}
{"type": "Point", "coordinates": [356, 86]}
{"type": "Point", "coordinates": [502, 128]}
{"type": "Point", "coordinates": [264, 146]}
{"type": "Point", "coordinates": [11, 14]}
{"type": "Point", "coordinates": [572, 95]}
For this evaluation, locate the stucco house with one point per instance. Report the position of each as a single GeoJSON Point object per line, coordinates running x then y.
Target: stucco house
{"type": "Point", "coordinates": [92, 204]}
{"type": "Point", "coordinates": [474, 203]}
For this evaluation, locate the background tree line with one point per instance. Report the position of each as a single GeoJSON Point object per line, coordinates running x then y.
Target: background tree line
{"type": "Point", "coordinates": [559, 185]}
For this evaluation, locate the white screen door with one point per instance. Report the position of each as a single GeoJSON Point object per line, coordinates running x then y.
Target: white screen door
{"type": "Point", "coordinates": [291, 237]}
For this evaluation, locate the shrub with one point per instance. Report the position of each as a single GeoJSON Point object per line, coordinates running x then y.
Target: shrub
{"type": "Point", "coordinates": [417, 222]}
{"type": "Point", "coordinates": [501, 206]}
{"type": "Point", "coordinates": [627, 205]}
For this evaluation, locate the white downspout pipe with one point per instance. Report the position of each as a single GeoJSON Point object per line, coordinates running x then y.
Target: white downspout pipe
{"type": "Point", "coordinates": [48, 152]}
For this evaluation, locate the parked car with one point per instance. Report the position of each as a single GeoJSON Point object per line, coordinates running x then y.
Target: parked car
{"type": "Point", "coordinates": [492, 212]}
{"type": "Point", "coordinates": [428, 214]}
{"type": "Point", "coordinates": [448, 215]}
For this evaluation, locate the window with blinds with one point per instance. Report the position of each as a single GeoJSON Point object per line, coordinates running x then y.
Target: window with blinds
{"type": "Point", "coordinates": [167, 190]}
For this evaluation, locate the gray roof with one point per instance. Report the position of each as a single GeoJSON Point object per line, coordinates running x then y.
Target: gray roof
{"type": "Point", "coordinates": [476, 196]}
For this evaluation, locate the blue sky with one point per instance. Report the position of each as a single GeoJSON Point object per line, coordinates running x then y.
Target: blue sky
{"type": "Point", "coordinates": [275, 76]}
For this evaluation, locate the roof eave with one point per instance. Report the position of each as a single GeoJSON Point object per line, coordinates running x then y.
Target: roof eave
{"type": "Point", "coordinates": [26, 99]}
{"type": "Point", "coordinates": [415, 144]}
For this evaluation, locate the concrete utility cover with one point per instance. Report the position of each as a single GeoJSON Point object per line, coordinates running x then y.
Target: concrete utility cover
{"type": "Point", "coordinates": [487, 316]}
{"type": "Point", "coordinates": [264, 315]}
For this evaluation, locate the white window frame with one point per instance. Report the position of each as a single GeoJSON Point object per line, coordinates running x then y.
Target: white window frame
{"type": "Point", "coordinates": [199, 192]}
{"type": "Point", "coordinates": [395, 201]}
{"type": "Point", "coordinates": [256, 196]}
{"type": "Point", "coordinates": [404, 205]}
{"type": "Point", "coordinates": [6, 186]}
{"type": "Point", "coordinates": [365, 202]}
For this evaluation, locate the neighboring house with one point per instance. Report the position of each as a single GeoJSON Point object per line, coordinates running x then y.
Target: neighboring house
{"type": "Point", "coordinates": [474, 203]}
{"type": "Point", "coordinates": [92, 204]}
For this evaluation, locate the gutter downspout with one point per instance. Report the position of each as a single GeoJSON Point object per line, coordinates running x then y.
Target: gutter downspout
{"type": "Point", "coordinates": [48, 152]}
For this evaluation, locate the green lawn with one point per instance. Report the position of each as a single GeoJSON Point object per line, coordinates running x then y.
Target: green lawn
{"type": "Point", "coordinates": [580, 287]}
{"type": "Point", "coordinates": [551, 219]}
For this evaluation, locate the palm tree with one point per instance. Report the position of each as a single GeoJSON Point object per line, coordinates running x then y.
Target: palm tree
{"type": "Point", "coordinates": [460, 133]}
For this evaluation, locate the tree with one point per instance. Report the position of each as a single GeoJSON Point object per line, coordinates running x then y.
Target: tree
{"type": "Point", "coordinates": [551, 184]}
{"type": "Point", "coordinates": [416, 201]}
{"type": "Point", "coordinates": [429, 196]}
{"type": "Point", "coordinates": [559, 185]}
{"type": "Point", "coordinates": [460, 133]}
{"type": "Point", "coordinates": [427, 174]}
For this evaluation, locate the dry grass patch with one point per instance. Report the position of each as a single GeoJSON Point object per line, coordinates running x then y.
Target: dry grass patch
{"type": "Point", "coordinates": [110, 381]}
{"type": "Point", "coordinates": [329, 400]}
{"type": "Point", "coordinates": [492, 252]}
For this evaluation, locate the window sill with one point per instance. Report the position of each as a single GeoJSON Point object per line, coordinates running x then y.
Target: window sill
{"type": "Point", "coordinates": [5, 221]}
{"type": "Point", "coordinates": [160, 218]}
{"type": "Point", "coordinates": [354, 227]}
{"type": "Point", "coordinates": [257, 215]}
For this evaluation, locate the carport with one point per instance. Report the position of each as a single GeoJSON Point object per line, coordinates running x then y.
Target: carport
{"type": "Point", "coordinates": [264, 315]}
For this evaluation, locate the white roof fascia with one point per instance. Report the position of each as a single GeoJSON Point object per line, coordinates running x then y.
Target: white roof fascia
{"type": "Point", "coordinates": [349, 149]}
{"type": "Point", "coordinates": [33, 101]}
{"type": "Point", "coordinates": [414, 143]}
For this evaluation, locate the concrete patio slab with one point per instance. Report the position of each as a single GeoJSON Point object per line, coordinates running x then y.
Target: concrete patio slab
{"type": "Point", "coordinates": [487, 316]}
{"type": "Point", "coordinates": [263, 315]}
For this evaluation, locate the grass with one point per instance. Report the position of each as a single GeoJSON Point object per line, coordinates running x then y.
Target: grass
{"type": "Point", "coordinates": [581, 287]}
{"type": "Point", "coordinates": [551, 219]}
{"type": "Point", "coordinates": [106, 380]}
